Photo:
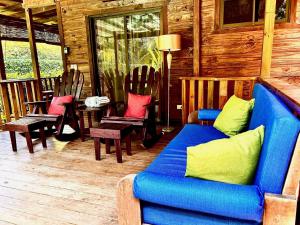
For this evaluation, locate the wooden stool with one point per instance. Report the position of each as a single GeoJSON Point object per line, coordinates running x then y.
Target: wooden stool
{"type": "Point", "coordinates": [26, 125]}
{"type": "Point", "coordinates": [114, 131]}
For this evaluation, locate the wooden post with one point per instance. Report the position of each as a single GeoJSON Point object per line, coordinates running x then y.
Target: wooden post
{"type": "Point", "coordinates": [2, 65]}
{"type": "Point", "coordinates": [4, 87]}
{"type": "Point", "coordinates": [61, 34]}
{"type": "Point", "coordinates": [197, 37]}
{"type": "Point", "coordinates": [266, 60]}
{"type": "Point", "coordinates": [33, 49]}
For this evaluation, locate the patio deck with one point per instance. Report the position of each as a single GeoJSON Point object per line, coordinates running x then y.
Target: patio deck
{"type": "Point", "coordinates": [63, 184]}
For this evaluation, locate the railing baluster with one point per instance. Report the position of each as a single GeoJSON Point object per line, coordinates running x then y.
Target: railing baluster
{"type": "Point", "coordinates": [192, 96]}
{"type": "Point", "coordinates": [223, 93]}
{"type": "Point", "coordinates": [13, 100]}
{"type": "Point", "coordinates": [210, 94]}
{"type": "Point", "coordinates": [200, 94]}
{"type": "Point", "coordinates": [184, 108]}
{"type": "Point", "coordinates": [22, 98]}
{"type": "Point", "coordinates": [238, 88]}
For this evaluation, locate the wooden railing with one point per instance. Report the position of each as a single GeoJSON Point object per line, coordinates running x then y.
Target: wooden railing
{"type": "Point", "coordinates": [212, 93]}
{"type": "Point", "coordinates": [14, 93]}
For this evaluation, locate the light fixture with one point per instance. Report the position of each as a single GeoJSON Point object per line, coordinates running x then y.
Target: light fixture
{"type": "Point", "coordinates": [169, 43]}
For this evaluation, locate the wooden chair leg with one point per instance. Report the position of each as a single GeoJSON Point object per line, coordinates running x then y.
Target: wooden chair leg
{"type": "Point", "coordinates": [13, 140]}
{"type": "Point", "coordinates": [81, 126]}
{"type": "Point", "coordinates": [107, 146]}
{"type": "Point", "coordinates": [43, 137]}
{"type": "Point", "coordinates": [118, 150]}
{"type": "Point", "coordinates": [128, 207]}
{"type": "Point", "coordinates": [29, 142]}
{"type": "Point", "coordinates": [128, 145]}
{"type": "Point", "coordinates": [97, 148]}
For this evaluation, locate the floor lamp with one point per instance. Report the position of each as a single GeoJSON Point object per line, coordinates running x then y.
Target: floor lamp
{"type": "Point", "coordinates": [169, 43]}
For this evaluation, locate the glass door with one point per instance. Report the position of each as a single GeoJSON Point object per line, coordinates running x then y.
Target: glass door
{"type": "Point", "coordinates": [123, 42]}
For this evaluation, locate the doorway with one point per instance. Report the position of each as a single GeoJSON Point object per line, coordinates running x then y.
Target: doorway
{"type": "Point", "coordinates": [119, 44]}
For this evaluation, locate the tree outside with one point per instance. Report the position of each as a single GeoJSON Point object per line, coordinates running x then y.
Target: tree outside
{"type": "Point", "coordinates": [17, 59]}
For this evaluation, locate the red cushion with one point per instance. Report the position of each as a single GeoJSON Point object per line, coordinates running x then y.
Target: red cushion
{"type": "Point", "coordinates": [57, 107]}
{"type": "Point", "coordinates": [136, 105]}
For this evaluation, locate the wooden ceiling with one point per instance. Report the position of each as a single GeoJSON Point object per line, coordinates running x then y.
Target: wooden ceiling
{"type": "Point", "coordinates": [13, 8]}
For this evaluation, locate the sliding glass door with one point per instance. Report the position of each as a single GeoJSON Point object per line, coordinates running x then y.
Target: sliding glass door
{"type": "Point", "coordinates": [123, 42]}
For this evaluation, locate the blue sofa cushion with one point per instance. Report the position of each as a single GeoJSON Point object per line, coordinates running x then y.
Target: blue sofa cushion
{"type": "Point", "coordinates": [281, 132]}
{"type": "Point", "coordinates": [161, 215]}
{"type": "Point", "coordinates": [243, 202]}
{"type": "Point", "coordinates": [208, 114]}
{"type": "Point", "coordinates": [164, 182]}
{"type": "Point", "coordinates": [172, 160]}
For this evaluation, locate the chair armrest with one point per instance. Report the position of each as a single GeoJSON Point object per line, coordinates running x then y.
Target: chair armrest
{"type": "Point", "coordinates": [280, 209]}
{"type": "Point", "coordinates": [128, 207]}
{"type": "Point", "coordinates": [35, 103]}
{"type": "Point", "coordinates": [208, 114]}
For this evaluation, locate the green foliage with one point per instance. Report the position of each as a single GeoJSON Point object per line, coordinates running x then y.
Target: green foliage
{"type": "Point", "coordinates": [18, 63]}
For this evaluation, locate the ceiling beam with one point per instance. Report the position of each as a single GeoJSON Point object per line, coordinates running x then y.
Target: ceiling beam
{"type": "Point", "coordinates": [37, 3]}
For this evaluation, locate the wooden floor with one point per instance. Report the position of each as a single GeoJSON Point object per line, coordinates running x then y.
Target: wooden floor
{"type": "Point", "coordinates": [63, 184]}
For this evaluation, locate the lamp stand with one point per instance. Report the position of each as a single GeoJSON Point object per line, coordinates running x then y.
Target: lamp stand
{"type": "Point", "coordinates": [168, 129]}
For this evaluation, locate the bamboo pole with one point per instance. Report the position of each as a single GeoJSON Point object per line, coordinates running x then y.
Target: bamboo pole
{"type": "Point", "coordinates": [33, 50]}
{"type": "Point", "coordinates": [266, 61]}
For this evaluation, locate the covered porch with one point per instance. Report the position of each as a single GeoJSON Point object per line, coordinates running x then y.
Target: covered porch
{"type": "Point", "coordinates": [64, 184]}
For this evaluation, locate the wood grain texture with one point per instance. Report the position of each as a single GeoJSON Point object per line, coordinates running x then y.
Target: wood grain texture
{"type": "Point", "coordinates": [179, 20]}
{"type": "Point", "coordinates": [64, 184]}
{"type": "Point", "coordinates": [129, 209]}
{"type": "Point", "coordinates": [280, 210]}
{"type": "Point", "coordinates": [212, 92]}
{"type": "Point", "coordinates": [237, 51]}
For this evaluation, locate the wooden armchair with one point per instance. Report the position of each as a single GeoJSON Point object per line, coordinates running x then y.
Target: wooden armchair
{"type": "Point", "coordinates": [70, 84]}
{"type": "Point", "coordinates": [146, 83]}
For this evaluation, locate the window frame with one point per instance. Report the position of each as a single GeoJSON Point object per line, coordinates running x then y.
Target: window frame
{"type": "Point", "coordinates": [290, 21]}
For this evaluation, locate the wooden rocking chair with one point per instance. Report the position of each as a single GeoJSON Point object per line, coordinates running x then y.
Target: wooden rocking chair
{"type": "Point", "coordinates": [146, 83]}
{"type": "Point", "coordinates": [70, 84]}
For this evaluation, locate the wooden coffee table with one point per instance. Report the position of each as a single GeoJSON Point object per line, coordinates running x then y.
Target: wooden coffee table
{"type": "Point", "coordinates": [26, 126]}
{"type": "Point", "coordinates": [112, 131]}
{"type": "Point", "coordinates": [89, 110]}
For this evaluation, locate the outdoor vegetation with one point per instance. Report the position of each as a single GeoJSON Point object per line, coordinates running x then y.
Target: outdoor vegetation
{"type": "Point", "coordinates": [17, 59]}
{"type": "Point", "coordinates": [18, 65]}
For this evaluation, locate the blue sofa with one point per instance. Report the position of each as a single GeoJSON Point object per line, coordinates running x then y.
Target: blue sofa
{"type": "Point", "coordinates": [167, 197]}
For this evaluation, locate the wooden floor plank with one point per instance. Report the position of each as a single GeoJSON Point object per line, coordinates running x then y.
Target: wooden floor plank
{"type": "Point", "coordinates": [64, 184]}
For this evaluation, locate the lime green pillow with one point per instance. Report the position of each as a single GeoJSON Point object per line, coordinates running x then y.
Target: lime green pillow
{"type": "Point", "coordinates": [234, 116]}
{"type": "Point", "coordinates": [230, 160]}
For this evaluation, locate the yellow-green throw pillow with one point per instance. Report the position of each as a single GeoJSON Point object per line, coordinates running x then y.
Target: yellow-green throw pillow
{"type": "Point", "coordinates": [234, 116]}
{"type": "Point", "coordinates": [230, 160]}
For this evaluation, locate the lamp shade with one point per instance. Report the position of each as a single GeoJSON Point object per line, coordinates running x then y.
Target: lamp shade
{"type": "Point", "coordinates": [169, 42]}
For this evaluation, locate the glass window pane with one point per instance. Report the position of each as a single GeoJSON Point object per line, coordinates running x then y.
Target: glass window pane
{"type": "Point", "coordinates": [238, 11]}
{"type": "Point", "coordinates": [281, 10]}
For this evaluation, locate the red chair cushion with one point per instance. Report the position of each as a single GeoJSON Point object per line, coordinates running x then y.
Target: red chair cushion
{"type": "Point", "coordinates": [57, 107]}
{"type": "Point", "coordinates": [136, 105]}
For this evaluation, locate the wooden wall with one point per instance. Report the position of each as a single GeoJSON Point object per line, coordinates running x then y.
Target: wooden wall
{"type": "Point", "coordinates": [180, 20]}
{"type": "Point", "coordinates": [223, 52]}
{"type": "Point", "coordinates": [237, 51]}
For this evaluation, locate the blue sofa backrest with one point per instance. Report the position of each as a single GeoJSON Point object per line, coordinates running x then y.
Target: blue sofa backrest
{"type": "Point", "coordinates": [281, 132]}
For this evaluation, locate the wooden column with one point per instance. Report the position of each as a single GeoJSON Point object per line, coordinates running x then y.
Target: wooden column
{"type": "Point", "coordinates": [61, 34]}
{"type": "Point", "coordinates": [4, 87]}
{"type": "Point", "coordinates": [2, 66]}
{"type": "Point", "coordinates": [197, 37]}
{"type": "Point", "coordinates": [33, 49]}
{"type": "Point", "coordinates": [266, 60]}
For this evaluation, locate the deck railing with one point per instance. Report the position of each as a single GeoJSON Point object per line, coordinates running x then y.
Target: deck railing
{"type": "Point", "coordinates": [212, 93]}
{"type": "Point", "coordinates": [14, 93]}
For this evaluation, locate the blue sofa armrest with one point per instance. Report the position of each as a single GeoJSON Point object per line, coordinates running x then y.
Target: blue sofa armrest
{"type": "Point", "coordinates": [208, 114]}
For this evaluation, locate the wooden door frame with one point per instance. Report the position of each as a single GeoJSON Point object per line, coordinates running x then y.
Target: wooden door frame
{"type": "Point", "coordinates": [159, 6]}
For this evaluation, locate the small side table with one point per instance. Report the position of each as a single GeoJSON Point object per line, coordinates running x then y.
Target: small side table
{"type": "Point", "coordinates": [26, 125]}
{"type": "Point", "coordinates": [84, 109]}
{"type": "Point", "coordinates": [116, 132]}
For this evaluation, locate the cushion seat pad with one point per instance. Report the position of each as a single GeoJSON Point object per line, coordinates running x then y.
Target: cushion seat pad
{"type": "Point", "coordinates": [164, 183]}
